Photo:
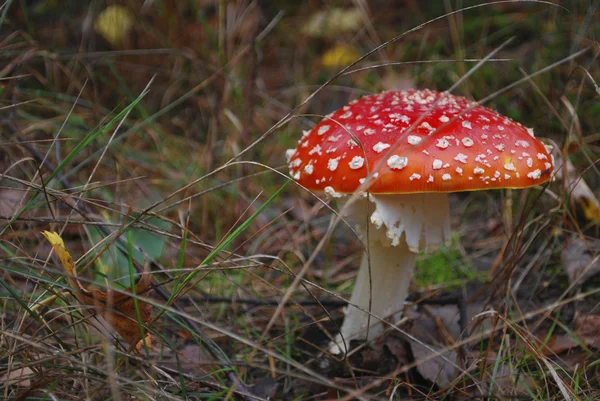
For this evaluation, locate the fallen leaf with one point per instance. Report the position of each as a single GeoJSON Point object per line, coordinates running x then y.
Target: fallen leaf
{"type": "Point", "coordinates": [191, 358]}
{"type": "Point", "coordinates": [118, 309]}
{"type": "Point", "coordinates": [333, 22]}
{"type": "Point", "coordinates": [435, 331]}
{"type": "Point", "coordinates": [114, 24]}
{"type": "Point", "coordinates": [10, 199]}
{"type": "Point", "coordinates": [339, 56]}
{"type": "Point", "coordinates": [586, 332]}
{"type": "Point", "coordinates": [18, 377]}
{"type": "Point", "coordinates": [579, 191]}
{"type": "Point", "coordinates": [579, 260]}
{"type": "Point", "coordinates": [265, 387]}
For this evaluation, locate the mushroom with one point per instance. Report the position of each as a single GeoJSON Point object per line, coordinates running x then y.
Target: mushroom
{"type": "Point", "coordinates": [414, 147]}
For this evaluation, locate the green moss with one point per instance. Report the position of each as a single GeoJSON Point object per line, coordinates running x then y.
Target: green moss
{"type": "Point", "coordinates": [445, 266]}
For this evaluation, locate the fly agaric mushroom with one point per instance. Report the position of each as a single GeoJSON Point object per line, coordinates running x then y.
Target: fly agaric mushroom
{"type": "Point", "coordinates": [418, 145]}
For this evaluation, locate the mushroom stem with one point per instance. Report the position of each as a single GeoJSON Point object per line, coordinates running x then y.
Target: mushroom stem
{"type": "Point", "coordinates": [391, 270]}
{"type": "Point", "coordinates": [399, 226]}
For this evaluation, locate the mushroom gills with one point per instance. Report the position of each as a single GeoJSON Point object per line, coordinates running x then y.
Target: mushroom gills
{"type": "Point", "coordinates": [423, 218]}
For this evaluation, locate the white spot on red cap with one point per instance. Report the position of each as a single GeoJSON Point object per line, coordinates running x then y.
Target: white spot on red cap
{"type": "Point", "coordinates": [380, 147]}
{"type": "Point", "coordinates": [323, 129]}
{"type": "Point", "coordinates": [356, 162]}
{"type": "Point", "coordinates": [542, 156]}
{"type": "Point", "coordinates": [288, 154]}
{"type": "Point", "coordinates": [437, 164]}
{"type": "Point", "coordinates": [446, 177]}
{"type": "Point", "coordinates": [522, 143]}
{"type": "Point", "coordinates": [442, 143]}
{"type": "Point", "coordinates": [535, 174]}
{"type": "Point", "coordinates": [414, 140]}
{"type": "Point", "coordinates": [309, 168]}
{"type": "Point", "coordinates": [332, 164]}
{"type": "Point", "coordinates": [426, 125]}
{"type": "Point", "coordinates": [347, 114]}
{"type": "Point", "coordinates": [500, 147]}
{"type": "Point", "coordinates": [316, 149]}
{"type": "Point", "coordinates": [369, 131]}
{"type": "Point", "coordinates": [396, 162]}
{"type": "Point", "coordinates": [459, 170]}
{"type": "Point", "coordinates": [529, 162]}
{"type": "Point", "coordinates": [430, 179]}
{"type": "Point", "coordinates": [444, 118]}
{"type": "Point", "coordinates": [468, 142]}
{"type": "Point", "coordinates": [478, 170]}
{"type": "Point", "coordinates": [461, 158]}
{"type": "Point", "coordinates": [530, 132]}
{"type": "Point", "coordinates": [415, 176]}
{"type": "Point", "coordinates": [466, 124]}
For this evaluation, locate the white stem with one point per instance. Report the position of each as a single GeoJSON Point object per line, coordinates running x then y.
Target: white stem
{"type": "Point", "coordinates": [391, 271]}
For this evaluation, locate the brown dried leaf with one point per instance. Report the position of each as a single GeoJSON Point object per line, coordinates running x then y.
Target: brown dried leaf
{"type": "Point", "coordinates": [579, 262]}
{"type": "Point", "coordinates": [587, 332]}
{"type": "Point", "coordinates": [118, 309]}
{"type": "Point", "coordinates": [18, 377]}
{"type": "Point", "coordinates": [435, 331]}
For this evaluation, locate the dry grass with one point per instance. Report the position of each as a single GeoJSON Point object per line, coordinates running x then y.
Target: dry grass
{"type": "Point", "coordinates": [164, 152]}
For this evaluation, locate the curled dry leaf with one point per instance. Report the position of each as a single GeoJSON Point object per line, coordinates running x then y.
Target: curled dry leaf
{"type": "Point", "coordinates": [579, 191]}
{"type": "Point", "coordinates": [117, 308]}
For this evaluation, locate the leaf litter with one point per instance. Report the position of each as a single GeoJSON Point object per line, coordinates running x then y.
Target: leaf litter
{"type": "Point", "coordinates": [121, 310]}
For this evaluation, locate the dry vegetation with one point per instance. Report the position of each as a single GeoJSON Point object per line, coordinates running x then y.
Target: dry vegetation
{"type": "Point", "coordinates": [154, 140]}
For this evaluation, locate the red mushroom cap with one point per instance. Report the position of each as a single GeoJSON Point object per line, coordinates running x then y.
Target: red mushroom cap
{"type": "Point", "coordinates": [456, 146]}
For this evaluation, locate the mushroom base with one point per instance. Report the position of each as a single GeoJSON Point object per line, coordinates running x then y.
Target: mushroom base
{"type": "Point", "coordinates": [391, 270]}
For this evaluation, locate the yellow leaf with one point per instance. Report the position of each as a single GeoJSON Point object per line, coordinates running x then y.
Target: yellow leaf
{"type": "Point", "coordinates": [339, 56]}
{"type": "Point", "coordinates": [114, 24]}
{"type": "Point", "coordinates": [590, 210]}
{"type": "Point", "coordinates": [67, 261]}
